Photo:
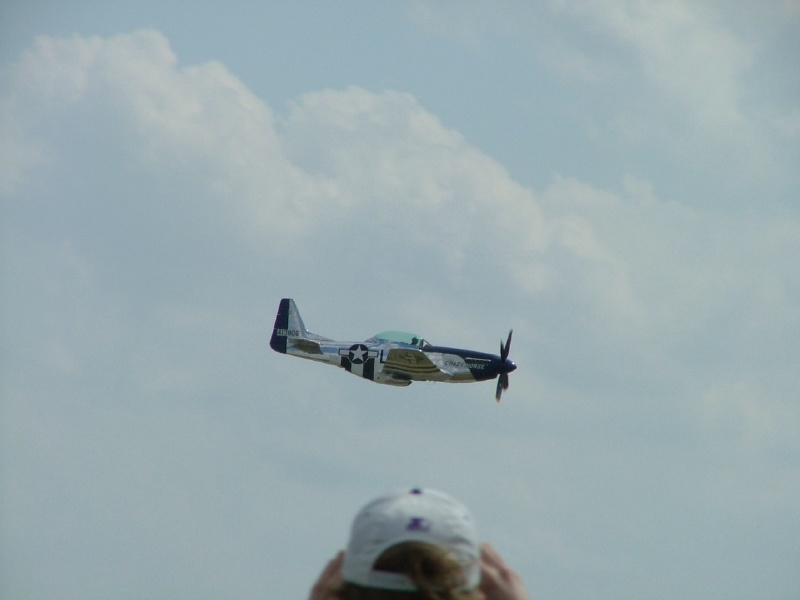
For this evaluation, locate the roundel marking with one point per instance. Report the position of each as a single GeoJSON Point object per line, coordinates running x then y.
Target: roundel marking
{"type": "Point", "coordinates": [358, 354]}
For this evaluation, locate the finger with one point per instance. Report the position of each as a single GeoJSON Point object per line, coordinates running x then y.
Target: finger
{"type": "Point", "coordinates": [336, 561]}
{"type": "Point", "coordinates": [329, 580]}
{"type": "Point", "coordinates": [498, 580]}
{"type": "Point", "coordinates": [332, 567]}
{"type": "Point", "coordinates": [490, 577]}
{"type": "Point", "coordinates": [491, 556]}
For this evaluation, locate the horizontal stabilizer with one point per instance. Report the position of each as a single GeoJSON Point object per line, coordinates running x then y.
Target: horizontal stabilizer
{"type": "Point", "coordinates": [304, 345]}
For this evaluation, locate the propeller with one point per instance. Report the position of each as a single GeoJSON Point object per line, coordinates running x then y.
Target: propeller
{"type": "Point", "coordinates": [506, 368]}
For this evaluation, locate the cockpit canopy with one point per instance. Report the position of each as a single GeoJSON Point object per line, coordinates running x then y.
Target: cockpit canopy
{"type": "Point", "coordinates": [402, 337]}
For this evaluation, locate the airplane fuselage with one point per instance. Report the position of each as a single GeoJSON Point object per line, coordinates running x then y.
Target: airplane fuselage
{"type": "Point", "coordinates": [368, 361]}
{"type": "Point", "coordinates": [392, 358]}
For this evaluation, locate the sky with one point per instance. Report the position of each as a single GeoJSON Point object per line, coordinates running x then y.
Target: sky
{"type": "Point", "coordinates": [615, 180]}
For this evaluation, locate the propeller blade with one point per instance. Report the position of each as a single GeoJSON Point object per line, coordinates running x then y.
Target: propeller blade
{"type": "Point", "coordinates": [505, 349]}
{"type": "Point", "coordinates": [502, 380]}
{"type": "Point", "coordinates": [502, 384]}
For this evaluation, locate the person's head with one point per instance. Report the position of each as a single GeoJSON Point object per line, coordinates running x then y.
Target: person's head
{"type": "Point", "coordinates": [409, 545]}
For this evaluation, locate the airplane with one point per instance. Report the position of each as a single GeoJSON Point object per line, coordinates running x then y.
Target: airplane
{"type": "Point", "coordinates": [390, 357]}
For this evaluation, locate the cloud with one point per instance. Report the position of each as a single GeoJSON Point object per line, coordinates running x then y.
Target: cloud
{"type": "Point", "coordinates": [684, 84]}
{"type": "Point", "coordinates": [697, 72]}
{"type": "Point", "coordinates": [157, 213]}
{"type": "Point", "coordinates": [682, 50]}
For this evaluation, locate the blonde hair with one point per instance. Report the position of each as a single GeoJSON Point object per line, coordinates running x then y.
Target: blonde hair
{"type": "Point", "coordinates": [436, 575]}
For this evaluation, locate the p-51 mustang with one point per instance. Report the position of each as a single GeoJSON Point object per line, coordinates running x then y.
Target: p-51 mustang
{"type": "Point", "coordinates": [390, 357]}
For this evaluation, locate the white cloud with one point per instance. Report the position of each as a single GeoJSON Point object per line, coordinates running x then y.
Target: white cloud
{"type": "Point", "coordinates": [696, 70]}
{"type": "Point", "coordinates": [419, 188]}
{"type": "Point", "coordinates": [681, 49]}
{"type": "Point", "coordinates": [683, 83]}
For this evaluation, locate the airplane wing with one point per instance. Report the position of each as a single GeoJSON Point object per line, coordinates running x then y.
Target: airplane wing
{"type": "Point", "coordinates": [410, 364]}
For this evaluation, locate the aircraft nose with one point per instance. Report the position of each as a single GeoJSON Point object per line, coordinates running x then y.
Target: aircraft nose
{"type": "Point", "coordinates": [509, 366]}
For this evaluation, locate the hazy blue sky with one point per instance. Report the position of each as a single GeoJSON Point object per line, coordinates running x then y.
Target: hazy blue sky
{"type": "Point", "coordinates": [617, 180]}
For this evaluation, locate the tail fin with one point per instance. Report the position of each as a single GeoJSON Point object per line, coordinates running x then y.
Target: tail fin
{"type": "Point", "coordinates": [288, 324]}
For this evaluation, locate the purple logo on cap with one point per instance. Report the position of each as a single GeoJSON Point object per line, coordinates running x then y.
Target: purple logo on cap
{"type": "Point", "coordinates": [418, 524]}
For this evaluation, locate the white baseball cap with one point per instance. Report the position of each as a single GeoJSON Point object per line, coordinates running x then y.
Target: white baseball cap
{"type": "Point", "coordinates": [415, 515]}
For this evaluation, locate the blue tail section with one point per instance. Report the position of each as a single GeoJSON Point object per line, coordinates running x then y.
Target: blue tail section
{"type": "Point", "coordinates": [288, 324]}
